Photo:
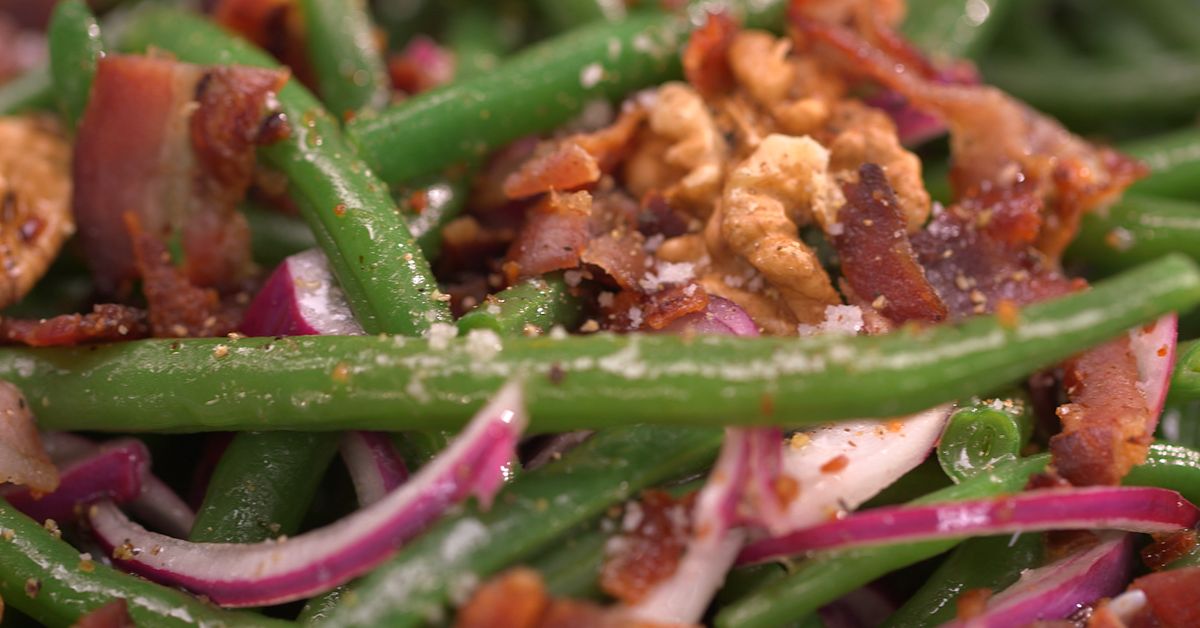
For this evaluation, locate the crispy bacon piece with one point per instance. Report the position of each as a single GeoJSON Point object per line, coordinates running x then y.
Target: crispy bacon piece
{"type": "Point", "coordinates": [115, 614]}
{"type": "Point", "coordinates": [996, 140]}
{"type": "Point", "coordinates": [1168, 548]}
{"type": "Point", "coordinates": [577, 161]}
{"type": "Point", "coordinates": [1106, 425]}
{"type": "Point", "coordinates": [178, 308]}
{"type": "Point", "coordinates": [553, 236]}
{"type": "Point", "coordinates": [705, 59]}
{"type": "Point", "coordinates": [105, 323]}
{"type": "Point", "coordinates": [1171, 599]}
{"type": "Point", "coordinates": [655, 534]}
{"type": "Point", "coordinates": [273, 25]}
{"type": "Point", "coordinates": [877, 258]}
{"type": "Point", "coordinates": [173, 143]}
{"type": "Point", "coordinates": [35, 195]}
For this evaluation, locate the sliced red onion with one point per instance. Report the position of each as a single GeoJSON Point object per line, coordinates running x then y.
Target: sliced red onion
{"type": "Point", "coordinates": [1061, 588]}
{"type": "Point", "coordinates": [913, 126]}
{"type": "Point", "coordinates": [157, 504]}
{"type": "Point", "coordinates": [721, 317]}
{"type": "Point", "coordinates": [113, 471]}
{"type": "Point", "coordinates": [840, 466]}
{"type": "Point", "coordinates": [277, 571]}
{"type": "Point", "coordinates": [301, 298]}
{"type": "Point", "coordinates": [23, 458]}
{"type": "Point", "coordinates": [162, 508]}
{"type": "Point", "coordinates": [1134, 509]}
{"type": "Point", "coordinates": [1153, 347]}
{"type": "Point", "coordinates": [375, 466]}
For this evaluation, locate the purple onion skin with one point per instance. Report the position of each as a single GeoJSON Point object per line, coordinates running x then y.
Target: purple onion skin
{"type": "Point", "coordinates": [114, 471]}
{"type": "Point", "coordinates": [275, 310]}
{"type": "Point", "coordinates": [722, 317]}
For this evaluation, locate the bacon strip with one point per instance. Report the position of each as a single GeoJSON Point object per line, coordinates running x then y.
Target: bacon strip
{"type": "Point", "coordinates": [656, 529]}
{"type": "Point", "coordinates": [105, 323]}
{"type": "Point", "coordinates": [1170, 599]}
{"type": "Point", "coordinates": [577, 161]}
{"type": "Point", "coordinates": [877, 258]}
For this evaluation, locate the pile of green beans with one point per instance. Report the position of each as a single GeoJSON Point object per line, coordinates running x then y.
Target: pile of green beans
{"type": "Point", "coordinates": [352, 152]}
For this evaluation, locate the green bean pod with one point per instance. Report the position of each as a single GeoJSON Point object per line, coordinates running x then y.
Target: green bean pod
{"type": "Point", "coordinates": [527, 516]}
{"type": "Point", "coordinates": [32, 91]}
{"type": "Point", "coordinates": [1174, 21]}
{"type": "Point", "coordinates": [345, 59]}
{"type": "Point", "coordinates": [983, 433]}
{"type": "Point", "coordinates": [530, 307]}
{"type": "Point", "coordinates": [443, 200]}
{"type": "Point", "coordinates": [262, 486]}
{"type": "Point", "coordinates": [1185, 382]}
{"type": "Point", "coordinates": [572, 568]}
{"type": "Point", "coordinates": [829, 575]}
{"type": "Point", "coordinates": [579, 382]}
{"type": "Point", "coordinates": [565, 15]}
{"type": "Point", "coordinates": [75, 47]}
{"type": "Point", "coordinates": [1174, 161]}
{"type": "Point", "coordinates": [1135, 230]}
{"type": "Point", "coordinates": [952, 29]}
{"type": "Point", "coordinates": [47, 579]}
{"type": "Point", "coordinates": [536, 91]}
{"type": "Point", "coordinates": [386, 279]}
{"type": "Point", "coordinates": [991, 562]}
{"type": "Point", "coordinates": [275, 236]}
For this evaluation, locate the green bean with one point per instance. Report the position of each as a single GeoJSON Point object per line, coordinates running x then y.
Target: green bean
{"type": "Point", "coordinates": [262, 486]}
{"type": "Point", "coordinates": [1175, 22]}
{"type": "Point", "coordinates": [75, 47]}
{"type": "Point", "coordinates": [1185, 382]}
{"type": "Point", "coordinates": [983, 433]}
{"type": "Point", "coordinates": [1029, 30]}
{"type": "Point", "coordinates": [526, 517]}
{"type": "Point", "coordinates": [572, 567]}
{"type": "Point", "coordinates": [1174, 161]}
{"type": "Point", "coordinates": [345, 60]}
{"type": "Point", "coordinates": [474, 34]}
{"type": "Point", "coordinates": [274, 236]}
{"type": "Point", "coordinates": [1137, 229]}
{"type": "Point", "coordinates": [830, 575]}
{"type": "Point", "coordinates": [532, 306]}
{"type": "Point", "coordinates": [1080, 92]}
{"type": "Point", "coordinates": [924, 478]}
{"type": "Point", "coordinates": [1180, 423]}
{"type": "Point", "coordinates": [52, 582]}
{"type": "Point", "coordinates": [443, 199]}
{"type": "Point", "coordinates": [537, 90]}
{"type": "Point", "coordinates": [319, 608]}
{"type": "Point", "coordinates": [388, 283]}
{"type": "Point", "coordinates": [568, 14]}
{"type": "Point", "coordinates": [1110, 34]}
{"type": "Point", "coordinates": [374, 382]}
{"type": "Point", "coordinates": [992, 562]}
{"type": "Point", "coordinates": [32, 91]}
{"type": "Point", "coordinates": [952, 28]}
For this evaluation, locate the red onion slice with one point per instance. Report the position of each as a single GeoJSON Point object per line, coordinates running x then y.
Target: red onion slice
{"type": "Point", "coordinates": [1061, 588]}
{"type": "Point", "coordinates": [301, 298]}
{"type": "Point", "coordinates": [722, 317]}
{"type": "Point", "coordinates": [1153, 347]}
{"type": "Point", "coordinates": [375, 466]}
{"type": "Point", "coordinates": [277, 571]}
{"type": "Point", "coordinates": [1134, 509]}
{"type": "Point", "coordinates": [113, 471]}
{"type": "Point", "coordinates": [842, 465]}
{"type": "Point", "coordinates": [913, 126]}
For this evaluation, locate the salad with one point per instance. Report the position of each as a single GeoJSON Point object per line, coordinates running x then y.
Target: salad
{"type": "Point", "coordinates": [591, 313]}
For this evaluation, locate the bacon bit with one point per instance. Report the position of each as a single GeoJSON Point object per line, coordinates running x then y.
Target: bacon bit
{"type": "Point", "coordinates": [1167, 548]}
{"type": "Point", "coordinates": [894, 425]}
{"type": "Point", "coordinates": [877, 257]}
{"type": "Point", "coordinates": [620, 254]}
{"type": "Point", "coordinates": [835, 464]}
{"type": "Point", "coordinates": [786, 489]}
{"type": "Point", "coordinates": [418, 201]}
{"type": "Point", "coordinates": [516, 598]}
{"type": "Point", "coordinates": [972, 603]}
{"type": "Point", "coordinates": [657, 217]}
{"type": "Point", "coordinates": [1102, 617]}
{"type": "Point", "coordinates": [638, 559]}
{"type": "Point", "coordinates": [105, 323]}
{"type": "Point", "coordinates": [553, 237]}
{"type": "Point", "coordinates": [177, 307]}
{"type": "Point", "coordinates": [706, 57]}
{"type": "Point", "coordinates": [576, 161]}
{"type": "Point", "coordinates": [115, 614]}
{"type": "Point", "coordinates": [1107, 427]}
{"type": "Point", "coordinates": [1171, 598]}
{"type": "Point", "coordinates": [665, 306]}
{"type": "Point", "coordinates": [1063, 543]}
{"type": "Point", "coordinates": [273, 25]}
